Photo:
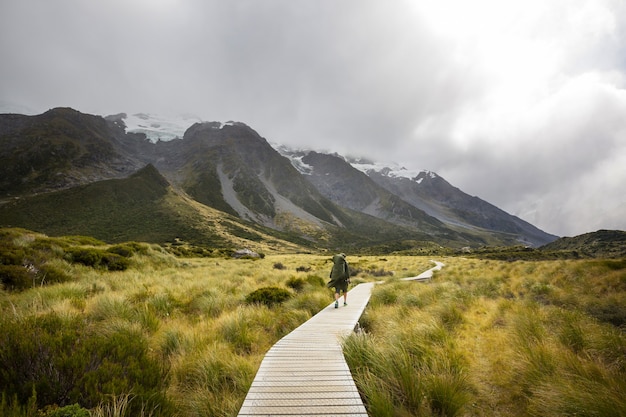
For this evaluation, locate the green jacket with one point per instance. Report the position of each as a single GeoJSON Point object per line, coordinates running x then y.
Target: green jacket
{"type": "Point", "coordinates": [340, 272]}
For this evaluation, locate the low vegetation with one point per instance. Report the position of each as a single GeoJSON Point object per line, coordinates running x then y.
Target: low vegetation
{"type": "Point", "coordinates": [182, 332]}
{"type": "Point", "coordinates": [491, 338]}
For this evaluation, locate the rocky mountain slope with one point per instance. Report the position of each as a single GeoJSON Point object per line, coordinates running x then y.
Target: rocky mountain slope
{"type": "Point", "coordinates": [409, 198]}
{"type": "Point", "coordinates": [232, 169]}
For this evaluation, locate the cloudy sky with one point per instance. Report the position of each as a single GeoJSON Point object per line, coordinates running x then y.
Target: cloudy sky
{"type": "Point", "coordinates": [521, 103]}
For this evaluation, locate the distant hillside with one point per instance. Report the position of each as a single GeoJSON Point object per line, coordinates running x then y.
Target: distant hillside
{"type": "Point", "coordinates": [349, 187]}
{"type": "Point", "coordinates": [422, 200]}
{"type": "Point", "coordinates": [58, 149]}
{"type": "Point", "coordinates": [142, 207]}
{"type": "Point", "coordinates": [437, 197]}
{"type": "Point", "coordinates": [600, 244]}
{"type": "Point", "coordinates": [232, 168]}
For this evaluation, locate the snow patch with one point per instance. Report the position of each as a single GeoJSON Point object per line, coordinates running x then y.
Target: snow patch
{"type": "Point", "coordinates": [295, 157]}
{"type": "Point", "coordinates": [301, 166]}
{"type": "Point", "coordinates": [157, 127]}
{"type": "Point", "coordinates": [393, 170]}
{"type": "Point", "coordinates": [389, 169]}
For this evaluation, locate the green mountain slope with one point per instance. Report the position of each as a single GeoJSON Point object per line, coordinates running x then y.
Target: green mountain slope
{"type": "Point", "coordinates": [599, 244]}
{"type": "Point", "coordinates": [142, 207]}
{"type": "Point", "coordinates": [58, 149]}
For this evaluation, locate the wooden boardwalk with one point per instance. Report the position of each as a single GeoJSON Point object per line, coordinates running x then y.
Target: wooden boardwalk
{"type": "Point", "coordinates": [305, 373]}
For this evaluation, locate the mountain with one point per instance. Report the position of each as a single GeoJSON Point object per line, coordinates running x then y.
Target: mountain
{"type": "Point", "coordinates": [59, 149]}
{"type": "Point", "coordinates": [142, 207]}
{"type": "Point", "coordinates": [412, 199]}
{"type": "Point", "coordinates": [600, 244]}
{"type": "Point", "coordinates": [433, 194]}
{"type": "Point", "coordinates": [66, 158]}
{"type": "Point", "coordinates": [232, 168]}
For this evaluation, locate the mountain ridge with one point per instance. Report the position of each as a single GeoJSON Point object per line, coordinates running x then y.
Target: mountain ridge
{"type": "Point", "coordinates": [415, 193]}
{"type": "Point", "coordinates": [230, 168]}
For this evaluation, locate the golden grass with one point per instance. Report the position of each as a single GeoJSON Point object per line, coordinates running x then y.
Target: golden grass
{"type": "Point", "coordinates": [193, 314]}
{"type": "Point", "coordinates": [528, 338]}
{"type": "Point", "coordinates": [483, 338]}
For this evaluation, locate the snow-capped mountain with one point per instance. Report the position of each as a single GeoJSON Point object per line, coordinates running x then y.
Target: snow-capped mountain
{"type": "Point", "coordinates": [400, 195]}
{"type": "Point", "coordinates": [230, 167]}
{"type": "Point", "coordinates": [391, 169]}
{"type": "Point", "coordinates": [394, 192]}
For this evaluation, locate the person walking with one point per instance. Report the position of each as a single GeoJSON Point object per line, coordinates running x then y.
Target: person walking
{"type": "Point", "coordinates": [340, 278]}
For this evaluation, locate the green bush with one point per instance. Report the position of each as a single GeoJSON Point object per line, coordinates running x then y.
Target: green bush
{"type": "Point", "coordinates": [15, 277]}
{"type": "Point", "coordinates": [114, 262]}
{"type": "Point", "coordinates": [73, 410]}
{"type": "Point", "coordinates": [12, 256]}
{"type": "Point", "coordinates": [96, 258]}
{"type": "Point", "coordinates": [297, 284]}
{"type": "Point", "coordinates": [52, 274]}
{"type": "Point", "coordinates": [129, 249]}
{"type": "Point", "coordinates": [268, 296]}
{"type": "Point", "coordinates": [122, 250]}
{"type": "Point", "coordinates": [85, 256]}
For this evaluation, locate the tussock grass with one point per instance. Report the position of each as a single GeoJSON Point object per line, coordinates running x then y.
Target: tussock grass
{"type": "Point", "coordinates": [491, 338]}
{"type": "Point", "coordinates": [171, 336]}
{"type": "Point", "coordinates": [183, 326]}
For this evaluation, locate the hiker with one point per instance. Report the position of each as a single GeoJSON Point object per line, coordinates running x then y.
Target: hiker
{"type": "Point", "coordinates": [340, 278]}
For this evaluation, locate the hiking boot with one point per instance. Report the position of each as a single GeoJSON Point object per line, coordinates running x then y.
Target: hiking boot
{"type": "Point", "coordinates": [345, 304]}
{"type": "Point", "coordinates": [336, 304]}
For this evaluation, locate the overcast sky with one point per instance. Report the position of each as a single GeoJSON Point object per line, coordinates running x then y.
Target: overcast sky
{"type": "Point", "coordinates": [521, 103]}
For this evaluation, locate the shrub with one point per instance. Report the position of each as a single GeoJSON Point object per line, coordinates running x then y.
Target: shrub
{"type": "Point", "coordinates": [609, 310]}
{"type": "Point", "coordinates": [268, 296]}
{"type": "Point", "coordinates": [303, 269]}
{"type": "Point", "coordinates": [297, 284]}
{"type": "Point", "coordinates": [12, 256]}
{"type": "Point", "coordinates": [87, 257]}
{"type": "Point", "coordinates": [73, 410]}
{"type": "Point", "coordinates": [98, 258]}
{"type": "Point", "coordinates": [114, 262]}
{"type": "Point", "coordinates": [379, 272]}
{"type": "Point", "coordinates": [122, 250]}
{"type": "Point", "coordinates": [279, 266]}
{"type": "Point", "coordinates": [128, 249]}
{"type": "Point", "coordinates": [13, 408]}
{"type": "Point", "coordinates": [15, 277]}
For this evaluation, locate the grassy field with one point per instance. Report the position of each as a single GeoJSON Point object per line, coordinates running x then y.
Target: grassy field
{"type": "Point", "coordinates": [163, 335]}
{"type": "Point", "coordinates": [492, 338]}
